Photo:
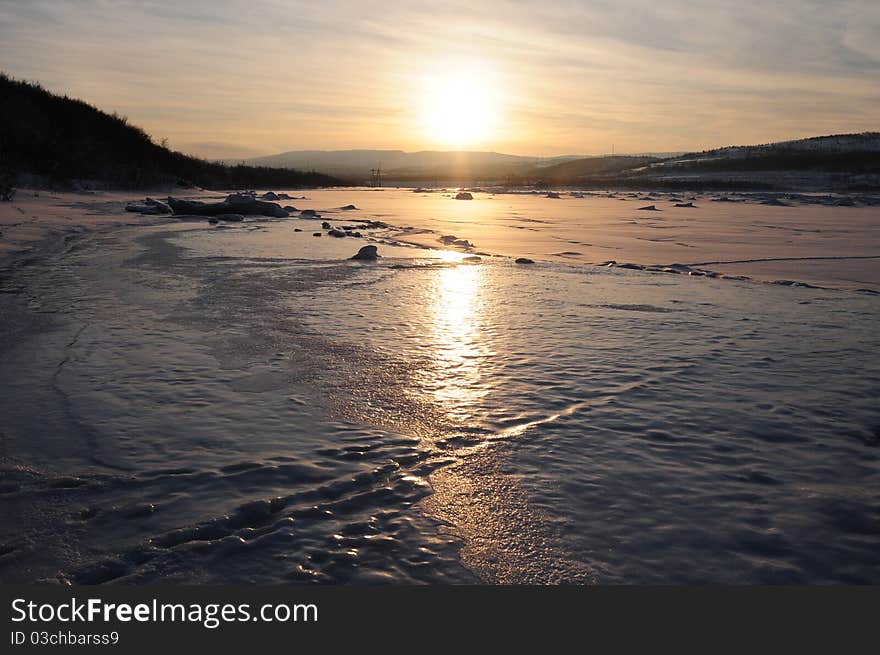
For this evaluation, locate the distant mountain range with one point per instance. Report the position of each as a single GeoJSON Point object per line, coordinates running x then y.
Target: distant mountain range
{"type": "Point", "coordinates": [836, 161]}
{"type": "Point", "coordinates": [397, 163]}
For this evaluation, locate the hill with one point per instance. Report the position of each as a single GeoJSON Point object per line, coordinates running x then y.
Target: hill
{"type": "Point", "coordinates": [835, 162]}
{"type": "Point", "coordinates": [400, 165]}
{"type": "Point", "coordinates": [57, 140]}
{"type": "Point", "coordinates": [591, 166]}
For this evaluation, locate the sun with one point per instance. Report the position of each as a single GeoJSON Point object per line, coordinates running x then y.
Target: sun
{"type": "Point", "coordinates": [459, 109]}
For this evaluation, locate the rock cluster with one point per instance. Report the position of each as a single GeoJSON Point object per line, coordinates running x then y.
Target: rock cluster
{"type": "Point", "coordinates": [149, 206]}
{"type": "Point", "coordinates": [451, 240]}
{"type": "Point", "coordinates": [237, 203]}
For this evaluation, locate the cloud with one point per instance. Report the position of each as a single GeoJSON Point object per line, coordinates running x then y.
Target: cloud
{"type": "Point", "coordinates": [574, 75]}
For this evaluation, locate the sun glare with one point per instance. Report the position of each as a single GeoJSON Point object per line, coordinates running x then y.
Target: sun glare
{"type": "Point", "coordinates": [460, 109]}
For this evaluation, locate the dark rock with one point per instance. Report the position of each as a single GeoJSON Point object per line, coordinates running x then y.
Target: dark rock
{"type": "Point", "coordinates": [149, 206]}
{"type": "Point", "coordinates": [368, 253]}
{"type": "Point", "coordinates": [472, 259]}
{"type": "Point", "coordinates": [317, 234]}
{"type": "Point", "coordinates": [231, 218]}
{"type": "Point", "coordinates": [552, 194]}
{"type": "Point", "coordinates": [649, 208]}
{"type": "Point", "coordinates": [448, 239]}
{"type": "Point", "coordinates": [158, 206]}
{"type": "Point", "coordinates": [290, 208]}
{"type": "Point", "coordinates": [309, 213]}
{"type": "Point", "coordinates": [241, 204]}
{"type": "Point", "coordinates": [464, 195]}
{"type": "Point", "coordinates": [524, 260]}
{"type": "Point", "coordinates": [463, 243]}
{"type": "Point", "coordinates": [686, 204]}
{"type": "Point", "coordinates": [325, 225]}
{"type": "Point", "coordinates": [213, 220]}
{"type": "Point", "coordinates": [348, 208]}
{"type": "Point", "coordinates": [296, 229]}
{"type": "Point", "coordinates": [337, 233]}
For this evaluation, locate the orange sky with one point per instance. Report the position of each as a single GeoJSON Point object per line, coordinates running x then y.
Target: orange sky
{"type": "Point", "coordinates": [232, 79]}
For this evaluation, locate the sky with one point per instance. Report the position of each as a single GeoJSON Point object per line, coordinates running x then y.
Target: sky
{"type": "Point", "coordinates": [236, 78]}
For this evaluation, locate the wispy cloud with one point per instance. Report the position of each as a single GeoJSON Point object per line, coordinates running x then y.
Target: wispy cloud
{"type": "Point", "coordinates": [229, 77]}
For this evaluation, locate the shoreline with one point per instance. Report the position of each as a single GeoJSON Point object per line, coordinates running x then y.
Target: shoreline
{"type": "Point", "coordinates": [691, 269]}
{"type": "Point", "coordinates": [51, 235]}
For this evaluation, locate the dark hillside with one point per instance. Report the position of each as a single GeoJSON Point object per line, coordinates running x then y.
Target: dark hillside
{"type": "Point", "coordinates": [571, 171]}
{"type": "Point", "coordinates": [61, 140]}
{"type": "Point", "coordinates": [839, 162]}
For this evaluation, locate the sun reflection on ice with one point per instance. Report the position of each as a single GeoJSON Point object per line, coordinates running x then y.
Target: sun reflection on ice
{"type": "Point", "coordinates": [457, 338]}
{"type": "Point", "coordinates": [450, 256]}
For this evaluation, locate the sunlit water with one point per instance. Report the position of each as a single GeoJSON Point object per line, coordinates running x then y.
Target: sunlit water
{"type": "Point", "coordinates": [188, 403]}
